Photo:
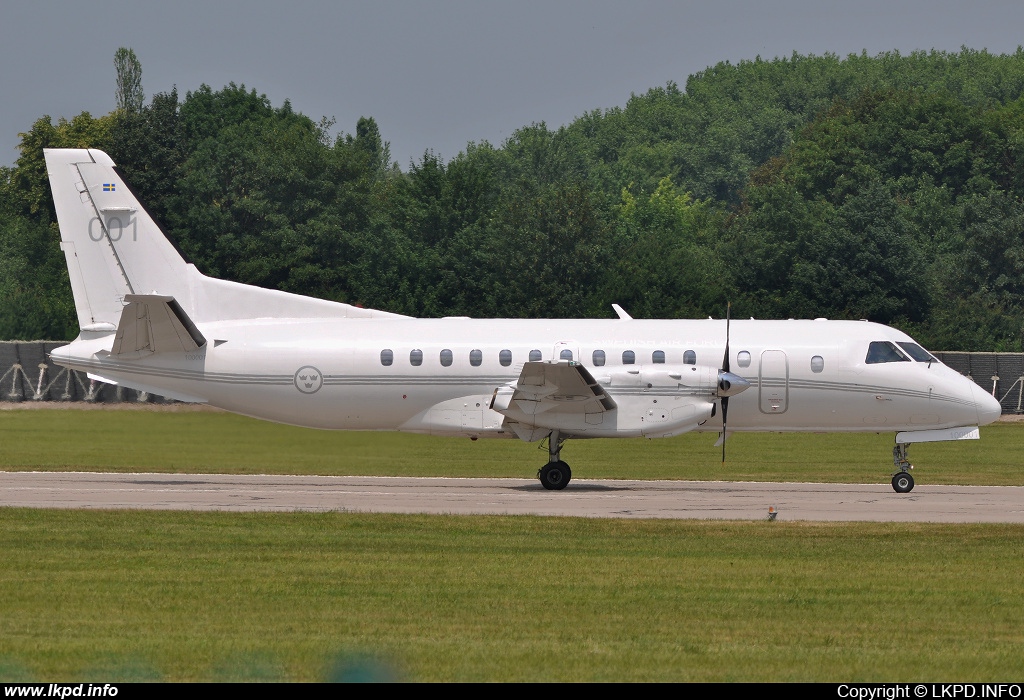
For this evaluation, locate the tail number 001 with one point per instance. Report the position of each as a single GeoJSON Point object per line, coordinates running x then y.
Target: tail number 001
{"type": "Point", "coordinates": [114, 229]}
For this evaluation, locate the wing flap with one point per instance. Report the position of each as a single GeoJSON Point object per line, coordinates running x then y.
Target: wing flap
{"type": "Point", "coordinates": [560, 386]}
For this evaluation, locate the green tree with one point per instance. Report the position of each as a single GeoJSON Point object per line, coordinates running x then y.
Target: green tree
{"type": "Point", "coordinates": [27, 188]}
{"type": "Point", "coordinates": [664, 259]}
{"type": "Point", "coordinates": [890, 207]}
{"type": "Point", "coordinates": [35, 294]}
{"type": "Point", "coordinates": [147, 147]}
{"type": "Point", "coordinates": [129, 96]}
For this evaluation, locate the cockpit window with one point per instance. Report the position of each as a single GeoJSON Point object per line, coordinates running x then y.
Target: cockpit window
{"type": "Point", "coordinates": [883, 351]}
{"type": "Point", "coordinates": [917, 352]}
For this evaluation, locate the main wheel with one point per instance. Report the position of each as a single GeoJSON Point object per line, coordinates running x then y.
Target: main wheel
{"type": "Point", "coordinates": [903, 482]}
{"type": "Point", "coordinates": [555, 476]}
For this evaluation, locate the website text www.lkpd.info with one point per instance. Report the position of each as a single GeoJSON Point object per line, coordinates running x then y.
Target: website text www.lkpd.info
{"type": "Point", "coordinates": [60, 690]}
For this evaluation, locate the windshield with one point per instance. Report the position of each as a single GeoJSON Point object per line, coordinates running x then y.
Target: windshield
{"type": "Point", "coordinates": [917, 352]}
{"type": "Point", "coordinates": [883, 351]}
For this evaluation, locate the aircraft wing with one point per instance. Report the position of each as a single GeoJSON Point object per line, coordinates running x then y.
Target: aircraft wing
{"type": "Point", "coordinates": [155, 323]}
{"type": "Point", "coordinates": [564, 386]}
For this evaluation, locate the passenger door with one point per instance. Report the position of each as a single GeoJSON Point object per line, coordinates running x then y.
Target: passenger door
{"type": "Point", "coordinates": [773, 382]}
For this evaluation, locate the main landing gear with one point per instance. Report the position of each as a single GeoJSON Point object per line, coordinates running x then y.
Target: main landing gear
{"type": "Point", "coordinates": [902, 481]}
{"type": "Point", "coordinates": [554, 475]}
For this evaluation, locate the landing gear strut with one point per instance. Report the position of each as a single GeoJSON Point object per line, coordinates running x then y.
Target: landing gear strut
{"type": "Point", "coordinates": [902, 481]}
{"type": "Point", "coordinates": [554, 475]}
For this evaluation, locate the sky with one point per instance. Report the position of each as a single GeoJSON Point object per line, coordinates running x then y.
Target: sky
{"type": "Point", "coordinates": [439, 75]}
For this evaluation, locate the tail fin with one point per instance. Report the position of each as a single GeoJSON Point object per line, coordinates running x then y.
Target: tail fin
{"type": "Point", "coordinates": [111, 243]}
{"type": "Point", "coordinates": [114, 249]}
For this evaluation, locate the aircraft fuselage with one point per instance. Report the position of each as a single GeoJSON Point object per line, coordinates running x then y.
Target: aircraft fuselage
{"type": "Point", "coordinates": [331, 373]}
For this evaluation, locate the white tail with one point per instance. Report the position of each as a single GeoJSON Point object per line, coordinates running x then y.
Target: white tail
{"type": "Point", "coordinates": [115, 249]}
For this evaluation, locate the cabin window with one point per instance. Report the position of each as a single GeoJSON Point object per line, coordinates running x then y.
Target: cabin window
{"type": "Point", "coordinates": [817, 364]}
{"type": "Point", "coordinates": [446, 358]}
{"type": "Point", "coordinates": [416, 358]}
{"type": "Point", "coordinates": [599, 358]}
{"type": "Point", "coordinates": [658, 357]}
{"type": "Point", "coordinates": [387, 357]}
{"type": "Point", "coordinates": [565, 354]}
{"type": "Point", "coordinates": [743, 358]}
{"type": "Point", "coordinates": [883, 351]}
{"type": "Point", "coordinates": [476, 357]}
{"type": "Point", "coordinates": [505, 358]}
{"type": "Point", "coordinates": [629, 357]}
{"type": "Point", "coordinates": [535, 356]}
{"type": "Point", "coordinates": [917, 352]}
{"type": "Point", "coordinates": [689, 357]}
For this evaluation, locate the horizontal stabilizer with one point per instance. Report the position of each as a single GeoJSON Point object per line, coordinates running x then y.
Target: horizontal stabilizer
{"type": "Point", "coordinates": [152, 323]}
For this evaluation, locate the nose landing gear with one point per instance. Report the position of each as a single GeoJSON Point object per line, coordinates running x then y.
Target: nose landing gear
{"type": "Point", "coordinates": [902, 481]}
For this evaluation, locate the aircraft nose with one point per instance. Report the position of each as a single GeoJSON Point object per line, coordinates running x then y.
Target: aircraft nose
{"type": "Point", "coordinates": [989, 409]}
{"type": "Point", "coordinates": [730, 384]}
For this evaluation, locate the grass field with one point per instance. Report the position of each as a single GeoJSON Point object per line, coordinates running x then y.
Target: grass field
{"type": "Point", "coordinates": [118, 595]}
{"type": "Point", "coordinates": [101, 596]}
{"type": "Point", "coordinates": [214, 442]}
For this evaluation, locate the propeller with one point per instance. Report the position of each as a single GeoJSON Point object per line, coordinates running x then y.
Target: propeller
{"type": "Point", "coordinates": [721, 380]}
{"type": "Point", "coordinates": [729, 384]}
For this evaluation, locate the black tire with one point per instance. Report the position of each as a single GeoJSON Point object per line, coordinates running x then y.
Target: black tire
{"type": "Point", "coordinates": [555, 476]}
{"type": "Point", "coordinates": [903, 482]}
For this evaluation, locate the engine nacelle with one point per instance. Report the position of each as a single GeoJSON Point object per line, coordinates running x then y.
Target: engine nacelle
{"type": "Point", "coordinates": [687, 380]}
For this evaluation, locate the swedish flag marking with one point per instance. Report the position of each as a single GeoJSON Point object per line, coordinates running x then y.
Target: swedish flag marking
{"type": "Point", "coordinates": [109, 186]}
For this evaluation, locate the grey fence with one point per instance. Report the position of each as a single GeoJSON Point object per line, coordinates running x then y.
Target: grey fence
{"type": "Point", "coordinates": [999, 373]}
{"type": "Point", "coordinates": [29, 375]}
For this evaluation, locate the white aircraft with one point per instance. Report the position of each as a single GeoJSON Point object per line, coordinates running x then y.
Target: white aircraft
{"type": "Point", "coordinates": [153, 322]}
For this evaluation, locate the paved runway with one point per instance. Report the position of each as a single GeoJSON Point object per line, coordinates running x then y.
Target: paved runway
{"type": "Point", "coordinates": [582, 498]}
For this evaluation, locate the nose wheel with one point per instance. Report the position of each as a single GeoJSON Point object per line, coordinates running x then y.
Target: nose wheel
{"type": "Point", "coordinates": [555, 475]}
{"type": "Point", "coordinates": [902, 481]}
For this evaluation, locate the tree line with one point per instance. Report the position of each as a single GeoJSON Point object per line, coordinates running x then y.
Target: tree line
{"type": "Point", "coordinates": [886, 187]}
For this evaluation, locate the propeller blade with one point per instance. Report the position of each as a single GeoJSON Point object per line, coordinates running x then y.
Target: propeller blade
{"type": "Point", "coordinates": [725, 362]}
{"type": "Point", "coordinates": [725, 412]}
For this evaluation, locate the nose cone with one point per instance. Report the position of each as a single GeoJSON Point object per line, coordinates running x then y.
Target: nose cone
{"type": "Point", "coordinates": [730, 384]}
{"type": "Point", "coordinates": [989, 409]}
